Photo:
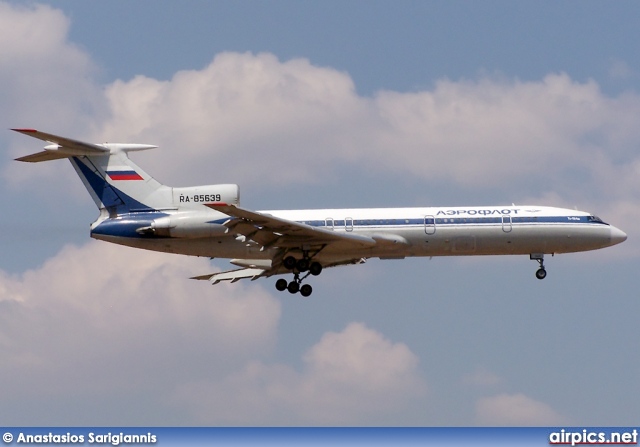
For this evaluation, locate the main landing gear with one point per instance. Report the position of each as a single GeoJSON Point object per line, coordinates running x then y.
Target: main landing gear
{"type": "Point", "coordinates": [298, 266]}
{"type": "Point", "coordinates": [541, 273]}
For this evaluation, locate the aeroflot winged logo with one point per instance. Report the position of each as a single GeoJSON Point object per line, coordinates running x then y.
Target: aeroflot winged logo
{"type": "Point", "coordinates": [124, 175]}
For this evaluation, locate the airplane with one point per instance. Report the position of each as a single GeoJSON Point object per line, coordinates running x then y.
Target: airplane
{"type": "Point", "coordinates": [138, 211]}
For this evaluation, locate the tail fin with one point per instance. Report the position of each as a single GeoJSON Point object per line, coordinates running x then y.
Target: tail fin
{"type": "Point", "coordinates": [115, 183]}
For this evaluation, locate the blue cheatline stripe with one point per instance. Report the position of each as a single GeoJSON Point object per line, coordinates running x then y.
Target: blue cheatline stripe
{"type": "Point", "coordinates": [127, 224]}
{"type": "Point", "coordinates": [444, 221]}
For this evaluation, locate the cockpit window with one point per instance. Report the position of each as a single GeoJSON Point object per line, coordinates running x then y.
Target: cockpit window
{"type": "Point", "coordinates": [595, 219]}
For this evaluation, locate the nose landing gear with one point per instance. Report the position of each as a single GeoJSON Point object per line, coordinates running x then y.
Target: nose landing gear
{"type": "Point", "coordinates": [541, 273]}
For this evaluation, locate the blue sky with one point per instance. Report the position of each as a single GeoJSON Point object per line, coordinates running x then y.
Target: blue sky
{"type": "Point", "coordinates": [402, 46]}
{"type": "Point", "coordinates": [322, 104]}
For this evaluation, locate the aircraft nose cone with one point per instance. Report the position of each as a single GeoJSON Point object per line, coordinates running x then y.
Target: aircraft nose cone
{"type": "Point", "coordinates": [617, 236]}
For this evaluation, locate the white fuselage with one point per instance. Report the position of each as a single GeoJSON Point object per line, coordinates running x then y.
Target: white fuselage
{"type": "Point", "coordinates": [404, 232]}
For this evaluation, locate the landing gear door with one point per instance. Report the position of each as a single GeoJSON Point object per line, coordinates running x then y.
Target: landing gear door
{"type": "Point", "coordinates": [429, 224]}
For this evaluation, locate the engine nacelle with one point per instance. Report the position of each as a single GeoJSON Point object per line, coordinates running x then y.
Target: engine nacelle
{"type": "Point", "coordinates": [185, 225]}
{"type": "Point", "coordinates": [197, 195]}
{"type": "Point", "coordinates": [195, 220]}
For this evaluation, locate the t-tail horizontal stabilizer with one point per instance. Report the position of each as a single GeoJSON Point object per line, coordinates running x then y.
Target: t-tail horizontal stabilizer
{"type": "Point", "coordinates": [62, 147]}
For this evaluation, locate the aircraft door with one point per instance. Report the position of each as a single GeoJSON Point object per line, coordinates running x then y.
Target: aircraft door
{"type": "Point", "coordinates": [328, 223]}
{"type": "Point", "coordinates": [429, 224]}
{"type": "Point", "coordinates": [348, 223]}
{"type": "Point", "coordinates": [506, 223]}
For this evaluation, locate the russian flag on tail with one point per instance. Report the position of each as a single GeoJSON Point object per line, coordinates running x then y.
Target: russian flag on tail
{"type": "Point", "coordinates": [124, 175]}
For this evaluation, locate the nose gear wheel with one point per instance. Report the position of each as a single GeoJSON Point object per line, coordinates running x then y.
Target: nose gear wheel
{"type": "Point", "coordinates": [541, 273]}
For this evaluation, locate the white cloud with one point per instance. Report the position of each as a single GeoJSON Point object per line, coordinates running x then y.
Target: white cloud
{"type": "Point", "coordinates": [142, 288]}
{"type": "Point", "coordinates": [102, 322]}
{"type": "Point", "coordinates": [291, 121]}
{"type": "Point", "coordinates": [248, 114]}
{"type": "Point", "coordinates": [350, 377]}
{"type": "Point", "coordinates": [45, 79]}
{"type": "Point", "coordinates": [45, 82]}
{"type": "Point", "coordinates": [114, 327]}
{"type": "Point", "coordinates": [515, 410]}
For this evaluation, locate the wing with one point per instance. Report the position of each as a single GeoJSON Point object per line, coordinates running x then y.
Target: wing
{"type": "Point", "coordinates": [232, 275]}
{"type": "Point", "coordinates": [255, 272]}
{"type": "Point", "coordinates": [252, 268]}
{"type": "Point", "coordinates": [271, 231]}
